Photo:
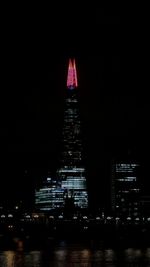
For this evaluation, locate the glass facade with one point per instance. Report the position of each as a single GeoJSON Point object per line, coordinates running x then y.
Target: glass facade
{"type": "Point", "coordinates": [74, 184]}
{"type": "Point", "coordinates": [50, 196]}
{"type": "Point", "coordinates": [70, 182]}
{"type": "Point", "coordinates": [72, 172]}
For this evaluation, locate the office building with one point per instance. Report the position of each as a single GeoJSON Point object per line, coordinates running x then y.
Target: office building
{"type": "Point", "coordinates": [49, 196]}
{"type": "Point", "coordinates": [125, 188]}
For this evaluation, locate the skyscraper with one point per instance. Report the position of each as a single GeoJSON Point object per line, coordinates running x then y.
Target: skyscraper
{"type": "Point", "coordinates": [70, 182]}
{"type": "Point", "coordinates": [72, 172]}
{"type": "Point", "coordinates": [125, 190]}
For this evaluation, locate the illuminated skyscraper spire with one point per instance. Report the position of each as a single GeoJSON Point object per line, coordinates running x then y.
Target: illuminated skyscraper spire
{"type": "Point", "coordinates": [71, 172]}
{"type": "Point", "coordinates": [70, 183]}
{"type": "Point", "coordinates": [72, 75]}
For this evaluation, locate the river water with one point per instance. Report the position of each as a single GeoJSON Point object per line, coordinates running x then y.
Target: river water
{"type": "Point", "coordinates": [75, 255]}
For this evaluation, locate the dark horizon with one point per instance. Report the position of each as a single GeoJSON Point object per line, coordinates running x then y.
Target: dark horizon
{"type": "Point", "coordinates": [115, 116]}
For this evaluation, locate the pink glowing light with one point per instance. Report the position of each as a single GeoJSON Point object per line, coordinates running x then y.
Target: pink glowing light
{"type": "Point", "coordinates": [72, 75]}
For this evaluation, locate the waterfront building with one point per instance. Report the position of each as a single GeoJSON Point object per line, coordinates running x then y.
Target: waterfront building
{"type": "Point", "coordinates": [69, 186]}
{"type": "Point", "coordinates": [125, 188]}
{"type": "Point", "coordinates": [71, 172]}
{"type": "Point", "coordinates": [49, 196]}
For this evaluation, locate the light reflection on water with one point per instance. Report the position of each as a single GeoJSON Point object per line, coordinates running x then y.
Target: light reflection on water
{"type": "Point", "coordinates": [72, 256]}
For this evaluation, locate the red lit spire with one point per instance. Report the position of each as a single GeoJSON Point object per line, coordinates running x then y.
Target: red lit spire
{"type": "Point", "coordinates": [72, 75]}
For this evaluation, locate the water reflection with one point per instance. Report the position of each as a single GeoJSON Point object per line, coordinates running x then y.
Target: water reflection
{"type": "Point", "coordinates": [9, 259]}
{"type": "Point", "coordinates": [71, 256]}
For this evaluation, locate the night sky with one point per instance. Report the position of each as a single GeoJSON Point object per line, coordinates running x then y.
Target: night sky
{"type": "Point", "coordinates": [36, 45]}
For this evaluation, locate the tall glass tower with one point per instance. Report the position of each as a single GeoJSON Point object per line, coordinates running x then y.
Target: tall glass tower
{"type": "Point", "coordinates": [71, 173]}
{"type": "Point", "coordinates": [70, 181]}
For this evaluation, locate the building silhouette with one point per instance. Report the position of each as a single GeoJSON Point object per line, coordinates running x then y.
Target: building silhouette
{"type": "Point", "coordinates": [125, 188]}
{"type": "Point", "coordinates": [68, 189]}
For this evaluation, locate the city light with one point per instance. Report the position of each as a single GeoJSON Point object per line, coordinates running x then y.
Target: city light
{"type": "Point", "coordinates": [70, 181]}
{"type": "Point", "coordinates": [72, 75]}
{"type": "Point", "coordinates": [10, 216]}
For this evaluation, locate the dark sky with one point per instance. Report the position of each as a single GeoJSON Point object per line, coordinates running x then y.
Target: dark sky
{"type": "Point", "coordinates": [36, 45]}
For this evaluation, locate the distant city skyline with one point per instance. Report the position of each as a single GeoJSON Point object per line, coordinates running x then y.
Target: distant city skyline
{"type": "Point", "coordinates": [114, 105]}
